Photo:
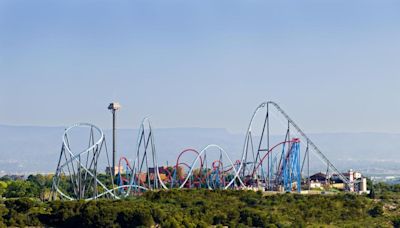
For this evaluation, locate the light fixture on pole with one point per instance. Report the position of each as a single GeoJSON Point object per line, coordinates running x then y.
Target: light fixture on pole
{"type": "Point", "coordinates": [113, 107]}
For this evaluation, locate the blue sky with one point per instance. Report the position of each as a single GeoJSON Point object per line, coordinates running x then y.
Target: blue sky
{"type": "Point", "coordinates": [333, 65]}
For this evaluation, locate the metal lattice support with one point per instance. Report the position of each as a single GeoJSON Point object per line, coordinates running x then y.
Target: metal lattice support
{"type": "Point", "coordinates": [144, 173]}
{"type": "Point", "coordinates": [291, 168]}
{"type": "Point", "coordinates": [76, 175]}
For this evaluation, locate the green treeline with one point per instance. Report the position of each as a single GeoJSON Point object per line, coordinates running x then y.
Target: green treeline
{"type": "Point", "coordinates": [24, 203]}
{"type": "Point", "coordinates": [204, 208]}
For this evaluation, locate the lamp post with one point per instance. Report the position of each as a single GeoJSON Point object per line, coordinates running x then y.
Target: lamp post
{"type": "Point", "coordinates": [113, 107]}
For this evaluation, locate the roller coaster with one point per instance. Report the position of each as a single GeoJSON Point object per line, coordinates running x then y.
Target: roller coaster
{"type": "Point", "coordinates": [268, 162]}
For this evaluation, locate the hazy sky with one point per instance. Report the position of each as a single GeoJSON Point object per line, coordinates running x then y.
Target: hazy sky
{"type": "Point", "coordinates": [334, 66]}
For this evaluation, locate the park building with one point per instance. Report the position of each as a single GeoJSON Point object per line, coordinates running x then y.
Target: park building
{"type": "Point", "coordinates": [321, 180]}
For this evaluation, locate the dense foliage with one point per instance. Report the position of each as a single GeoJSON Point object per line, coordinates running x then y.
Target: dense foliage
{"type": "Point", "coordinates": [24, 204]}
{"type": "Point", "coordinates": [202, 208]}
{"type": "Point", "coordinates": [37, 186]}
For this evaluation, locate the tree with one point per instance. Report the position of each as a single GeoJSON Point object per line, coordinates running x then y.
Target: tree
{"type": "Point", "coordinates": [42, 183]}
{"type": "Point", "coordinates": [3, 212]}
{"type": "Point", "coordinates": [20, 188]}
{"type": "Point", "coordinates": [3, 187]}
{"type": "Point", "coordinates": [372, 194]}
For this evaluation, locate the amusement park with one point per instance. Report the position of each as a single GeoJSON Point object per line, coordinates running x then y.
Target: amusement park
{"type": "Point", "coordinates": [276, 157]}
{"type": "Point", "coordinates": [199, 114]}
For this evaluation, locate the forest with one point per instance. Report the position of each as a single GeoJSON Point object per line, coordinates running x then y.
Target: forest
{"type": "Point", "coordinates": [24, 204]}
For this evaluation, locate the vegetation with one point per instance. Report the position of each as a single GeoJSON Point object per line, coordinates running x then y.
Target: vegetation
{"type": "Point", "coordinates": [23, 205]}
{"type": "Point", "coordinates": [37, 186]}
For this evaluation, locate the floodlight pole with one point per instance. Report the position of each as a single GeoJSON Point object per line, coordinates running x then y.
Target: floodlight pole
{"type": "Point", "coordinates": [113, 157]}
{"type": "Point", "coordinates": [113, 107]}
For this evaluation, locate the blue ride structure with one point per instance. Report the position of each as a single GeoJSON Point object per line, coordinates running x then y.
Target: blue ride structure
{"type": "Point", "coordinates": [291, 167]}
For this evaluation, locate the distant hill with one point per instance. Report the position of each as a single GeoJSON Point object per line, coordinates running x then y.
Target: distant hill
{"type": "Point", "coordinates": [26, 149]}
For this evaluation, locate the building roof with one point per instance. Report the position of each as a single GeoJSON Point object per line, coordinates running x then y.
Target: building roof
{"type": "Point", "coordinates": [318, 177]}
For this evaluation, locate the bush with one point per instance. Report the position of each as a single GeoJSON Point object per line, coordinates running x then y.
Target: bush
{"type": "Point", "coordinates": [396, 222]}
{"type": "Point", "coordinates": [376, 211]}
